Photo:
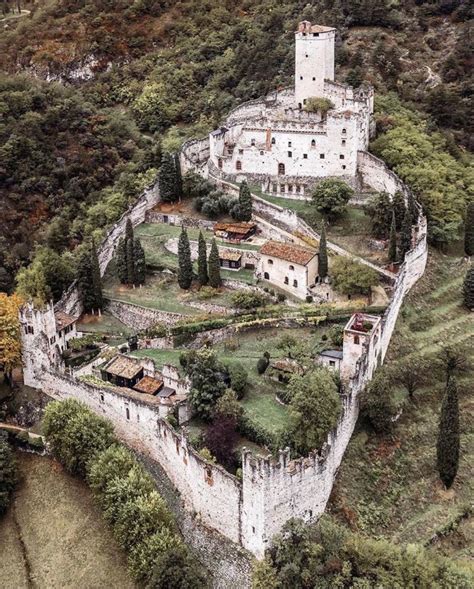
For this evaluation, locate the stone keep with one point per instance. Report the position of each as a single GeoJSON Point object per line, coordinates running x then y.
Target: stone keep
{"type": "Point", "coordinates": [314, 60]}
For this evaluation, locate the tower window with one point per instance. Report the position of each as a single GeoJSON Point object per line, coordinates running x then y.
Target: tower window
{"type": "Point", "coordinates": [290, 154]}
{"type": "Point", "coordinates": [286, 280]}
{"type": "Point", "coordinates": [289, 143]}
{"type": "Point", "coordinates": [356, 339]}
{"type": "Point", "coordinates": [290, 187]}
{"type": "Point", "coordinates": [241, 151]}
{"type": "Point", "coordinates": [266, 275]}
{"type": "Point", "coordinates": [304, 100]}
{"type": "Point", "coordinates": [238, 165]}
{"type": "Point", "coordinates": [313, 142]}
{"type": "Point", "coordinates": [343, 142]}
{"type": "Point", "coordinates": [341, 156]}
{"type": "Point", "coordinates": [321, 156]}
{"type": "Point", "coordinates": [314, 79]}
{"type": "Point", "coordinates": [281, 168]}
{"type": "Point", "coordinates": [301, 77]}
{"type": "Point", "coordinates": [299, 105]}
{"type": "Point", "coordinates": [261, 152]}
{"type": "Point", "coordinates": [291, 267]}
{"type": "Point", "coordinates": [295, 283]}
{"type": "Point", "coordinates": [219, 161]}
{"type": "Point", "coordinates": [252, 142]}
{"type": "Point", "coordinates": [270, 262]}
{"type": "Point", "coordinates": [127, 412]}
{"type": "Point", "coordinates": [305, 156]}
{"type": "Point", "coordinates": [343, 167]}
{"type": "Point", "coordinates": [344, 131]}
{"type": "Point", "coordinates": [273, 141]}
{"type": "Point", "coordinates": [306, 55]}
{"type": "Point", "coordinates": [315, 34]}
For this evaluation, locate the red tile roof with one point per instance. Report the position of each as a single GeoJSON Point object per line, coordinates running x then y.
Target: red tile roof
{"type": "Point", "coordinates": [289, 252]}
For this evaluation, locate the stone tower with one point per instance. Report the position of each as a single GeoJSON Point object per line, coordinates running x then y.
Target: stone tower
{"type": "Point", "coordinates": [314, 60]}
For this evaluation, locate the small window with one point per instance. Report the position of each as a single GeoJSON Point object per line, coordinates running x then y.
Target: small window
{"type": "Point", "coordinates": [301, 77]}
{"type": "Point", "coordinates": [219, 163]}
{"type": "Point", "coordinates": [281, 169]}
{"type": "Point", "coordinates": [252, 142]}
{"type": "Point", "coordinates": [286, 280]}
{"type": "Point", "coordinates": [127, 412]}
{"type": "Point", "coordinates": [321, 156]}
{"type": "Point", "coordinates": [314, 79]}
{"type": "Point", "coordinates": [298, 189]}
{"type": "Point", "coordinates": [241, 151]}
{"type": "Point", "coordinates": [273, 140]}
{"type": "Point", "coordinates": [332, 363]}
{"type": "Point", "coordinates": [177, 446]}
{"type": "Point", "coordinates": [270, 261]}
{"type": "Point", "coordinates": [306, 55]}
{"type": "Point", "coordinates": [31, 330]}
{"type": "Point", "coordinates": [289, 143]}
{"type": "Point", "coordinates": [305, 156]}
{"type": "Point", "coordinates": [295, 283]}
{"type": "Point", "coordinates": [356, 339]}
{"type": "Point", "coordinates": [343, 167]}
{"type": "Point", "coordinates": [261, 152]}
{"type": "Point", "coordinates": [101, 397]}
{"type": "Point", "coordinates": [315, 34]}
{"type": "Point", "coordinates": [313, 142]}
{"type": "Point", "coordinates": [304, 100]}
{"type": "Point", "coordinates": [282, 188]}
{"type": "Point", "coordinates": [341, 156]}
{"type": "Point", "coordinates": [344, 131]}
{"type": "Point", "coordinates": [266, 275]}
{"type": "Point", "coordinates": [299, 105]}
{"type": "Point", "coordinates": [238, 165]}
{"type": "Point", "coordinates": [274, 187]}
{"type": "Point", "coordinates": [52, 339]}
{"type": "Point", "coordinates": [343, 142]}
{"type": "Point", "coordinates": [291, 267]}
{"type": "Point", "coordinates": [290, 154]}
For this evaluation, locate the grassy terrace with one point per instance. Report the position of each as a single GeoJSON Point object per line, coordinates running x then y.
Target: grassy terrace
{"type": "Point", "coordinates": [53, 535]}
{"type": "Point", "coordinates": [388, 486]}
{"type": "Point", "coordinates": [106, 324]}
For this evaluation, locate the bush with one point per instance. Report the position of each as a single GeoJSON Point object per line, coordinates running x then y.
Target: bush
{"type": "Point", "coordinates": [309, 299]}
{"type": "Point", "coordinates": [257, 433]}
{"type": "Point", "coordinates": [350, 277]}
{"type": "Point", "coordinates": [177, 570]}
{"type": "Point", "coordinates": [8, 473]}
{"type": "Point", "coordinates": [249, 300]}
{"type": "Point", "coordinates": [281, 297]}
{"type": "Point", "coordinates": [378, 404]}
{"type": "Point", "coordinates": [143, 556]}
{"type": "Point", "coordinates": [238, 378]}
{"type": "Point", "coordinates": [336, 335]}
{"type": "Point", "coordinates": [262, 365]}
{"type": "Point", "coordinates": [75, 434]}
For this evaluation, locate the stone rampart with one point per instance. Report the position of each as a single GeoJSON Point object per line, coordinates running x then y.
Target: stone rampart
{"type": "Point", "coordinates": [194, 155]}
{"type": "Point", "coordinates": [179, 220]}
{"type": "Point", "coordinates": [140, 317]}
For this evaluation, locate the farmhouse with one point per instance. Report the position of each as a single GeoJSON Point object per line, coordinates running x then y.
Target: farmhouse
{"type": "Point", "coordinates": [290, 267]}
{"type": "Point", "coordinates": [235, 232]}
{"type": "Point", "coordinates": [331, 359]}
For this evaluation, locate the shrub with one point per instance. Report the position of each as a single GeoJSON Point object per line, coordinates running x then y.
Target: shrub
{"type": "Point", "coordinates": [257, 433]}
{"type": "Point", "coordinates": [249, 300]}
{"type": "Point", "coordinates": [143, 556]}
{"type": "Point", "coordinates": [377, 403]}
{"type": "Point", "coordinates": [309, 299]}
{"type": "Point", "coordinates": [262, 365]}
{"type": "Point", "coordinates": [238, 378]}
{"type": "Point", "coordinates": [176, 569]}
{"type": "Point", "coordinates": [336, 335]}
{"type": "Point", "coordinates": [330, 197]}
{"type": "Point", "coordinates": [350, 277]}
{"type": "Point", "coordinates": [281, 297]}
{"type": "Point", "coordinates": [318, 104]}
{"type": "Point", "coordinates": [220, 439]}
{"type": "Point", "coordinates": [75, 434]}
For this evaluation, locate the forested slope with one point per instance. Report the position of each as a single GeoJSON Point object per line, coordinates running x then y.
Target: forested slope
{"type": "Point", "coordinates": [141, 76]}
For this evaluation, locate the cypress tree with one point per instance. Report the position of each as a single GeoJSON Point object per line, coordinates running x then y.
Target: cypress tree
{"type": "Point", "coordinates": [405, 235]}
{"type": "Point", "coordinates": [84, 279]}
{"type": "Point", "coordinates": [96, 279]}
{"type": "Point", "coordinates": [140, 263]}
{"type": "Point", "coordinates": [121, 261]}
{"type": "Point", "coordinates": [179, 177]}
{"type": "Point", "coordinates": [469, 230]}
{"type": "Point", "coordinates": [392, 248]}
{"type": "Point", "coordinates": [468, 289]}
{"type": "Point", "coordinates": [185, 270]}
{"type": "Point", "coordinates": [411, 206]}
{"type": "Point", "coordinates": [323, 254]}
{"type": "Point", "coordinates": [202, 261]}
{"type": "Point", "coordinates": [245, 202]}
{"type": "Point", "coordinates": [168, 179]}
{"type": "Point", "coordinates": [129, 253]}
{"type": "Point", "coordinates": [447, 448]}
{"type": "Point", "coordinates": [398, 204]}
{"type": "Point", "coordinates": [215, 279]}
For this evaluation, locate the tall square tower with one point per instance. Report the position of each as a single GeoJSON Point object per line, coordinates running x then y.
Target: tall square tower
{"type": "Point", "coordinates": [314, 60]}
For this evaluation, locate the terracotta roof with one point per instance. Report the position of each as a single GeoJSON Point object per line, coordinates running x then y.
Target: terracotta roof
{"type": "Point", "coordinates": [148, 385]}
{"type": "Point", "coordinates": [63, 320]}
{"type": "Point", "coordinates": [229, 255]}
{"type": "Point", "coordinates": [289, 252]}
{"type": "Point", "coordinates": [124, 367]}
{"type": "Point", "coordinates": [241, 228]}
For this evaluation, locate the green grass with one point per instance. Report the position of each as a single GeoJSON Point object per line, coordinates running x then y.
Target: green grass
{"type": "Point", "coordinates": [106, 324]}
{"type": "Point", "coordinates": [389, 486]}
{"type": "Point", "coordinates": [53, 534]}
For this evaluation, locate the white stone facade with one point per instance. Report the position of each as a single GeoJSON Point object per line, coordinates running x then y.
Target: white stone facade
{"type": "Point", "coordinates": [276, 143]}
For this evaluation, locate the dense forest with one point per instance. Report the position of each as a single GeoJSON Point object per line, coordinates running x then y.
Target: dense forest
{"type": "Point", "coordinates": [93, 90]}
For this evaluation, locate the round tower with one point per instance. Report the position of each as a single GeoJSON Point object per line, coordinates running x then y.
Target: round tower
{"type": "Point", "coordinates": [314, 60]}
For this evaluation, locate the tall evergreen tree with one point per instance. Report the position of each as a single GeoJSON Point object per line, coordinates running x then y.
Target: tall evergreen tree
{"type": "Point", "coordinates": [468, 288]}
{"type": "Point", "coordinates": [398, 205]}
{"type": "Point", "coordinates": [84, 279]}
{"type": "Point", "coordinates": [169, 190]}
{"type": "Point", "coordinates": [96, 279]}
{"type": "Point", "coordinates": [202, 261]}
{"type": "Point", "coordinates": [130, 257]}
{"type": "Point", "coordinates": [179, 177]}
{"type": "Point", "coordinates": [121, 261]}
{"type": "Point", "coordinates": [469, 230]}
{"type": "Point", "coordinates": [392, 248]}
{"type": "Point", "coordinates": [412, 208]}
{"type": "Point", "coordinates": [140, 263]}
{"type": "Point", "coordinates": [245, 202]}
{"type": "Point", "coordinates": [405, 235]}
{"type": "Point", "coordinates": [185, 270]}
{"type": "Point", "coordinates": [447, 448]}
{"type": "Point", "coordinates": [215, 279]}
{"type": "Point", "coordinates": [323, 254]}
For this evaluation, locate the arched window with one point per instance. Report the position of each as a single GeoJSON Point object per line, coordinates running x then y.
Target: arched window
{"type": "Point", "coordinates": [266, 275]}
{"type": "Point", "coordinates": [252, 142]}
{"type": "Point", "coordinates": [344, 131]}
{"type": "Point", "coordinates": [356, 339]}
{"type": "Point", "coordinates": [219, 163]}
{"type": "Point", "coordinates": [299, 105]}
{"type": "Point", "coordinates": [281, 169]}
{"type": "Point", "coordinates": [286, 280]}
{"type": "Point", "coordinates": [295, 283]}
{"type": "Point", "coordinates": [238, 165]}
{"type": "Point", "coordinates": [313, 142]}
{"type": "Point", "coordinates": [270, 262]}
{"type": "Point", "coordinates": [292, 267]}
{"type": "Point", "coordinates": [273, 140]}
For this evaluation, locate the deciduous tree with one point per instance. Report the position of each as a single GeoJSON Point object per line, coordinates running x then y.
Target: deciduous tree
{"type": "Point", "coordinates": [351, 277]}
{"type": "Point", "coordinates": [330, 197]}
{"type": "Point", "coordinates": [378, 404]}
{"type": "Point", "coordinates": [379, 209]}
{"type": "Point", "coordinates": [10, 345]}
{"type": "Point", "coordinates": [447, 448]}
{"type": "Point", "coordinates": [8, 473]}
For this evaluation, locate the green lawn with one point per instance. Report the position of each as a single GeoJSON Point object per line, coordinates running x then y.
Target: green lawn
{"type": "Point", "coordinates": [106, 324]}
{"type": "Point", "coordinates": [389, 486]}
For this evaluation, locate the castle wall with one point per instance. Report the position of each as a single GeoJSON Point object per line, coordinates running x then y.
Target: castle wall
{"type": "Point", "coordinates": [140, 317]}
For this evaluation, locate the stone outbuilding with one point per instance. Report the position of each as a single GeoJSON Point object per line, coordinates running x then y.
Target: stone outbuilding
{"type": "Point", "coordinates": [290, 267]}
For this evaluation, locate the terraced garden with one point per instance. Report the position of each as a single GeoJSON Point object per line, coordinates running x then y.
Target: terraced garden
{"type": "Point", "coordinates": [388, 486]}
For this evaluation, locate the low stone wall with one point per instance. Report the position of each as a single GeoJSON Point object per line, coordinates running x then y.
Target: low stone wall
{"type": "Point", "coordinates": [248, 256]}
{"type": "Point", "coordinates": [140, 317]}
{"type": "Point", "coordinates": [178, 220]}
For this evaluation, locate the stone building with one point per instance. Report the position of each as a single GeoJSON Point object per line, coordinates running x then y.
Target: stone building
{"type": "Point", "coordinates": [362, 337]}
{"type": "Point", "coordinates": [290, 267]}
{"type": "Point", "coordinates": [277, 143]}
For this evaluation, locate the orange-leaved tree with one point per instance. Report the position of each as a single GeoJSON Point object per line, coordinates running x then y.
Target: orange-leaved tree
{"type": "Point", "coordinates": [10, 346]}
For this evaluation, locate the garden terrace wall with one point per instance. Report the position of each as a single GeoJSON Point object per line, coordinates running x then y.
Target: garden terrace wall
{"type": "Point", "coordinates": [178, 220]}
{"type": "Point", "coordinates": [140, 317]}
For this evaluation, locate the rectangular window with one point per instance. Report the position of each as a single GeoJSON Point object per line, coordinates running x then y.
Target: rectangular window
{"type": "Point", "coordinates": [274, 187]}
{"type": "Point", "coordinates": [321, 156]}
{"type": "Point", "coordinates": [290, 154]}
{"type": "Point", "coordinates": [305, 156]}
{"type": "Point", "coordinates": [289, 143]}
{"type": "Point", "coordinates": [332, 363]}
{"type": "Point", "coordinates": [341, 157]}
{"type": "Point", "coordinates": [298, 188]}
{"type": "Point", "coordinates": [101, 397]}
{"type": "Point", "coordinates": [343, 142]}
{"type": "Point", "coordinates": [343, 167]}
{"type": "Point", "coordinates": [241, 151]}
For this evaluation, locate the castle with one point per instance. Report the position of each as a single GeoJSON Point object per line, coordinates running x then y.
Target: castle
{"type": "Point", "coordinates": [253, 144]}
{"type": "Point", "coordinates": [285, 142]}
